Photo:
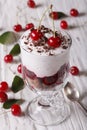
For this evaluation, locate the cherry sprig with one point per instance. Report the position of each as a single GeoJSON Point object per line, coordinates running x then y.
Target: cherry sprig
{"type": "Point", "coordinates": [54, 41]}
{"type": "Point", "coordinates": [36, 34]}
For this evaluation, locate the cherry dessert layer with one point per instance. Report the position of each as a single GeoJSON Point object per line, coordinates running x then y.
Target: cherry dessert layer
{"type": "Point", "coordinates": [45, 83]}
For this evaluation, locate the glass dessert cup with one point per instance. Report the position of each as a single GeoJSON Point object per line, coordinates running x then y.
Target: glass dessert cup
{"type": "Point", "coordinates": [46, 76]}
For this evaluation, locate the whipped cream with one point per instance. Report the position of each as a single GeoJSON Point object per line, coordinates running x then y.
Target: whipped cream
{"type": "Point", "coordinates": [41, 59]}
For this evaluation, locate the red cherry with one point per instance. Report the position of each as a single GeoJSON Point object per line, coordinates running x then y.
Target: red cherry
{"type": "Point", "coordinates": [3, 97]}
{"type": "Point", "coordinates": [54, 42]}
{"type": "Point", "coordinates": [31, 3]}
{"type": "Point", "coordinates": [74, 70]}
{"type": "Point", "coordinates": [8, 58]}
{"type": "Point", "coordinates": [36, 35]}
{"type": "Point", "coordinates": [64, 24]}
{"type": "Point", "coordinates": [50, 80]}
{"type": "Point", "coordinates": [54, 15]}
{"type": "Point", "coordinates": [3, 86]}
{"type": "Point", "coordinates": [19, 68]}
{"type": "Point", "coordinates": [17, 28]}
{"type": "Point", "coordinates": [29, 26]}
{"type": "Point", "coordinates": [74, 12]}
{"type": "Point", "coordinates": [16, 110]}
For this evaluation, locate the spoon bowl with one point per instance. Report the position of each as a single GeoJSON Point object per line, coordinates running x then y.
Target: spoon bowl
{"type": "Point", "coordinates": [73, 94]}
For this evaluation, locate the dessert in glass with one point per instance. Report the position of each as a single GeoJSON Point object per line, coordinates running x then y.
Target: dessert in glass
{"type": "Point", "coordinates": [45, 61]}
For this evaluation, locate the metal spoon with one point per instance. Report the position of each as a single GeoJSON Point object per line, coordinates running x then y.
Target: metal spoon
{"type": "Point", "coordinates": [73, 94]}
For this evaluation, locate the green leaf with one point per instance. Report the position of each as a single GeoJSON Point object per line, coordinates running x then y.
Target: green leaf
{"type": "Point", "coordinates": [15, 50]}
{"type": "Point", "coordinates": [8, 37]}
{"type": "Point", "coordinates": [61, 15]}
{"type": "Point", "coordinates": [17, 84]}
{"type": "Point", "coordinates": [10, 102]}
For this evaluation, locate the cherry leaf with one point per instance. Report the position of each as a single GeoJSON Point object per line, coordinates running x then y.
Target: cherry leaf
{"type": "Point", "coordinates": [15, 50]}
{"type": "Point", "coordinates": [17, 84]}
{"type": "Point", "coordinates": [10, 102]}
{"type": "Point", "coordinates": [8, 37]}
{"type": "Point", "coordinates": [61, 15]}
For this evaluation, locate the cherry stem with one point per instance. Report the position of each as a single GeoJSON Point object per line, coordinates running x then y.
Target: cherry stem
{"type": "Point", "coordinates": [43, 16]}
{"type": "Point", "coordinates": [53, 22]}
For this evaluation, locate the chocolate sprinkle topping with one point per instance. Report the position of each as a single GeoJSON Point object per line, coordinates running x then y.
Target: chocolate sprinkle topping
{"type": "Point", "coordinates": [65, 47]}
{"type": "Point", "coordinates": [25, 42]}
{"type": "Point", "coordinates": [41, 45]}
{"type": "Point", "coordinates": [30, 49]}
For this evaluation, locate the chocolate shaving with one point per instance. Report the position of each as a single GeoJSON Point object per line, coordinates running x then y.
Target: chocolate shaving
{"type": "Point", "coordinates": [25, 42]}
{"type": "Point", "coordinates": [64, 47]}
{"type": "Point", "coordinates": [30, 44]}
{"type": "Point", "coordinates": [39, 51]}
{"type": "Point", "coordinates": [30, 49]}
{"type": "Point", "coordinates": [35, 43]}
{"type": "Point", "coordinates": [45, 30]}
{"type": "Point", "coordinates": [51, 54]}
{"type": "Point", "coordinates": [22, 37]}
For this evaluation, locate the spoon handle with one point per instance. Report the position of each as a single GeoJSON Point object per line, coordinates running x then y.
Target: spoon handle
{"type": "Point", "coordinates": [83, 107]}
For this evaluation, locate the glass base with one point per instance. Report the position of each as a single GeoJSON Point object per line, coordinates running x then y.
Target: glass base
{"type": "Point", "coordinates": [48, 114]}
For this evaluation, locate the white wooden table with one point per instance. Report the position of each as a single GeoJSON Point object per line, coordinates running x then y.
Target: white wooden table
{"type": "Point", "coordinates": [8, 11]}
